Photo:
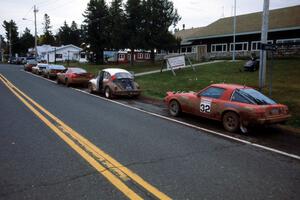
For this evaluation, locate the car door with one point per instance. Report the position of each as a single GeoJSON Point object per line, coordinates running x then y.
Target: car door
{"type": "Point", "coordinates": [100, 80]}
{"type": "Point", "coordinates": [208, 102]}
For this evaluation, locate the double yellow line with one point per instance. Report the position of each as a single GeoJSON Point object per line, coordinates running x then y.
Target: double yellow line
{"type": "Point", "coordinates": [120, 176]}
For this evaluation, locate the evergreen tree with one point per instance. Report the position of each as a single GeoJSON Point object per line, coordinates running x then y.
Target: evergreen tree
{"type": "Point", "coordinates": [47, 37]}
{"type": "Point", "coordinates": [63, 35]}
{"type": "Point", "coordinates": [27, 41]}
{"type": "Point", "coordinates": [11, 32]}
{"type": "Point", "coordinates": [75, 34]}
{"type": "Point", "coordinates": [97, 27]}
{"type": "Point", "coordinates": [117, 25]}
{"type": "Point", "coordinates": [134, 28]}
{"type": "Point", "coordinates": [159, 15]}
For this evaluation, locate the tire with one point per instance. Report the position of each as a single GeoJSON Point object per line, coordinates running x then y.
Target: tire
{"type": "Point", "coordinates": [90, 88]}
{"type": "Point", "coordinates": [231, 121]}
{"type": "Point", "coordinates": [48, 76]}
{"type": "Point", "coordinates": [58, 81]}
{"type": "Point", "coordinates": [174, 108]}
{"type": "Point", "coordinates": [67, 83]}
{"type": "Point", "coordinates": [107, 93]}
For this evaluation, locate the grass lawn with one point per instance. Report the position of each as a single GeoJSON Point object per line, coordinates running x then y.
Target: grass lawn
{"type": "Point", "coordinates": [286, 81]}
{"type": "Point", "coordinates": [136, 68]}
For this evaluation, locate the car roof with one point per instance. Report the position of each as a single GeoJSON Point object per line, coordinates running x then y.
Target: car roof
{"type": "Point", "coordinates": [42, 64]}
{"type": "Point", "coordinates": [57, 66]}
{"type": "Point", "coordinates": [113, 71]}
{"type": "Point", "coordinates": [229, 86]}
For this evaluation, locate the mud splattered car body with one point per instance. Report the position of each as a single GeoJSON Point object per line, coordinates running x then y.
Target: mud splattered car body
{"type": "Point", "coordinates": [114, 82]}
{"type": "Point", "coordinates": [235, 105]}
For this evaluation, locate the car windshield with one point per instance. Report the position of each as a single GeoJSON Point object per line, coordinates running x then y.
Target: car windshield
{"type": "Point", "coordinates": [78, 70]}
{"type": "Point", "coordinates": [255, 97]}
{"type": "Point", "coordinates": [123, 75]}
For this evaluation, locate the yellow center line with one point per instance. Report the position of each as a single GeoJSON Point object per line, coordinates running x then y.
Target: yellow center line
{"type": "Point", "coordinates": [121, 170]}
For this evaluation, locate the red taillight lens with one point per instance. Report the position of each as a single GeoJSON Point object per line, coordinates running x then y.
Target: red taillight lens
{"type": "Point", "coordinates": [74, 75]}
{"type": "Point", "coordinates": [113, 78]}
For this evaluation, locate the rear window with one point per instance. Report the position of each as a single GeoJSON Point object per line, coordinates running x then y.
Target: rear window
{"type": "Point", "coordinates": [78, 70]}
{"type": "Point", "coordinates": [255, 97]}
{"type": "Point", "coordinates": [123, 75]}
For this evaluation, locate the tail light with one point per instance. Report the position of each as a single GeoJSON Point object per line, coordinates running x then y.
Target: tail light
{"type": "Point", "coordinates": [74, 75]}
{"type": "Point", "coordinates": [113, 78]}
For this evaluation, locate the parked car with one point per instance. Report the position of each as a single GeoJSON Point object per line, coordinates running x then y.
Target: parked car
{"type": "Point", "coordinates": [30, 63]}
{"type": "Point", "coordinates": [74, 75]}
{"type": "Point", "coordinates": [114, 82]}
{"type": "Point", "coordinates": [236, 106]}
{"type": "Point", "coordinates": [51, 70]}
{"type": "Point", "coordinates": [38, 69]}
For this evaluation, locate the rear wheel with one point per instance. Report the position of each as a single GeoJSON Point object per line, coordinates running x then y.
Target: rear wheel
{"type": "Point", "coordinates": [107, 93]}
{"type": "Point", "coordinates": [174, 108]}
{"type": "Point", "coordinates": [90, 88]}
{"type": "Point", "coordinates": [231, 121]}
{"type": "Point", "coordinates": [58, 81]}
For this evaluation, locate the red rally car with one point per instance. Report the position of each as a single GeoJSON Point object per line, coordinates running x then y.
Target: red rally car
{"type": "Point", "coordinates": [236, 106]}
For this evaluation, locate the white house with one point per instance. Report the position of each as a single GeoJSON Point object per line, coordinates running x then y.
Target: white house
{"type": "Point", "coordinates": [63, 53]}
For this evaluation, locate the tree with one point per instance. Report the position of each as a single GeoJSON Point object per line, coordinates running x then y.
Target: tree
{"type": "Point", "coordinates": [63, 35]}
{"type": "Point", "coordinates": [12, 35]}
{"type": "Point", "coordinates": [96, 26]}
{"type": "Point", "coordinates": [134, 29]}
{"type": "Point", "coordinates": [117, 25]}
{"type": "Point", "coordinates": [159, 15]}
{"type": "Point", "coordinates": [27, 41]}
{"type": "Point", "coordinates": [75, 34]}
{"type": "Point", "coordinates": [47, 37]}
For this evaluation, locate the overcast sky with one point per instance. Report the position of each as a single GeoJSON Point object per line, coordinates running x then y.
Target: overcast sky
{"type": "Point", "coordinates": [194, 13]}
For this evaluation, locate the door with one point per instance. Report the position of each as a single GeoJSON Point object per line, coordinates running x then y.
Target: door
{"type": "Point", "coordinates": [201, 52]}
{"type": "Point", "coordinates": [208, 102]}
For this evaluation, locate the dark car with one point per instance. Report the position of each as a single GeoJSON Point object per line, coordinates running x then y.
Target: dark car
{"type": "Point", "coordinates": [30, 63]}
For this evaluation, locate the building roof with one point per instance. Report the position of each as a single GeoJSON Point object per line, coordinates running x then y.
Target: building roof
{"type": "Point", "coordinates": [48, 48]}
{"type": "Point", "coordinates": [279, 19]}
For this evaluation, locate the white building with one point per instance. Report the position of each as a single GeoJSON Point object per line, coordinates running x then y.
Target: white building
{"type": "Point", "coordinates": [63, 53]}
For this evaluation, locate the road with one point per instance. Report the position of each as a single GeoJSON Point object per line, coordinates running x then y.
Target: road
{"type": "Point", "coordinates": [56, 146]}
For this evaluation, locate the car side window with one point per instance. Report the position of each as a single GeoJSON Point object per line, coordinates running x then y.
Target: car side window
{"type": "Point", "coordinates": [106, 76]}
{"type": "Point", "coordinates": [236, 97]}
{"type": "Point", "coordinates": [213, 92]}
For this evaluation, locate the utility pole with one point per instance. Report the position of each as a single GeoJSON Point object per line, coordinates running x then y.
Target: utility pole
{"type": "Point", "coordinates": [1, 58]}
{"type": "Point", "coordinates": [10, 41]}
{"type": "Point", "coordinates": [35, 33]}
{"type": "Point", "coordinates": [264, 39]}
{"type": "Point", "coordinates": [234, 31]}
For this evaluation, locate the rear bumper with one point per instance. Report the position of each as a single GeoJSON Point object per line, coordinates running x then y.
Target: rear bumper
{"type": "Point", "coordinates": [273, 120]}
{"type": "Point", "coordinates": [127, 93]}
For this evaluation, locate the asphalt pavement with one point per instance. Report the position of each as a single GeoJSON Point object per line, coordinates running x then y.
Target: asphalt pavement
{"type": "Point", "coordinates": [180, 161]}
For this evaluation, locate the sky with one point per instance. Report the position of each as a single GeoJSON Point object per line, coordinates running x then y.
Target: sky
{"type": "Point", "coordinates": [194, 13]}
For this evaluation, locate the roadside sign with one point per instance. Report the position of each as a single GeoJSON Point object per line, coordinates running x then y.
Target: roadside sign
{"type": "Point", "coordinates": [176, 62]}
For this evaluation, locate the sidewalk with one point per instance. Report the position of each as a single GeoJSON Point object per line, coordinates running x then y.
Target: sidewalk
{"type": "Point", "coordinates": [158, 71]}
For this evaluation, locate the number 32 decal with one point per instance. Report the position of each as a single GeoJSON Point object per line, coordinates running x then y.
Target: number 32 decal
{"type": "Point", "coordinates": [205, 105]}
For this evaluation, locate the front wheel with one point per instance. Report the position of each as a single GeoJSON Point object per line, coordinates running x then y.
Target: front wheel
{"type": "Point", "coordinates": [231, 121]}
{"type": "Point", "coordinates": [174, 108]}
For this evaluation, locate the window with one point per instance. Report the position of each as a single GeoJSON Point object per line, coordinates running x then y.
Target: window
{"type": "Point", "coordinates": [183, 50]}
{"type": "Point", "coordinates": [140, 55]}
{"type": "Point", "coordinates": [213, 92]}
{"type": "Point", "coordinates": [58, 55]}
{"type": "Point", "coordinates": [121, 56]}
{"type": "Point", "coordinates": [147, 56]}
{"type": "Point", "coordinates": [291, 41]}
{"type": "Point", "coordinates": [237, 97]}
{"type": "Point", "coordinates": [239, 46]}
{"type": "Point", "coordinates": [189, 49]}
{"type": "Point", "coordinates": [219, 47]}
{"type": "Point", "coordinates": [255, 45]}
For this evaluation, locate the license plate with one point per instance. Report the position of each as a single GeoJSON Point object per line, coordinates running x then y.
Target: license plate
{"type": "Point", "coordinates": [274, 111]}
